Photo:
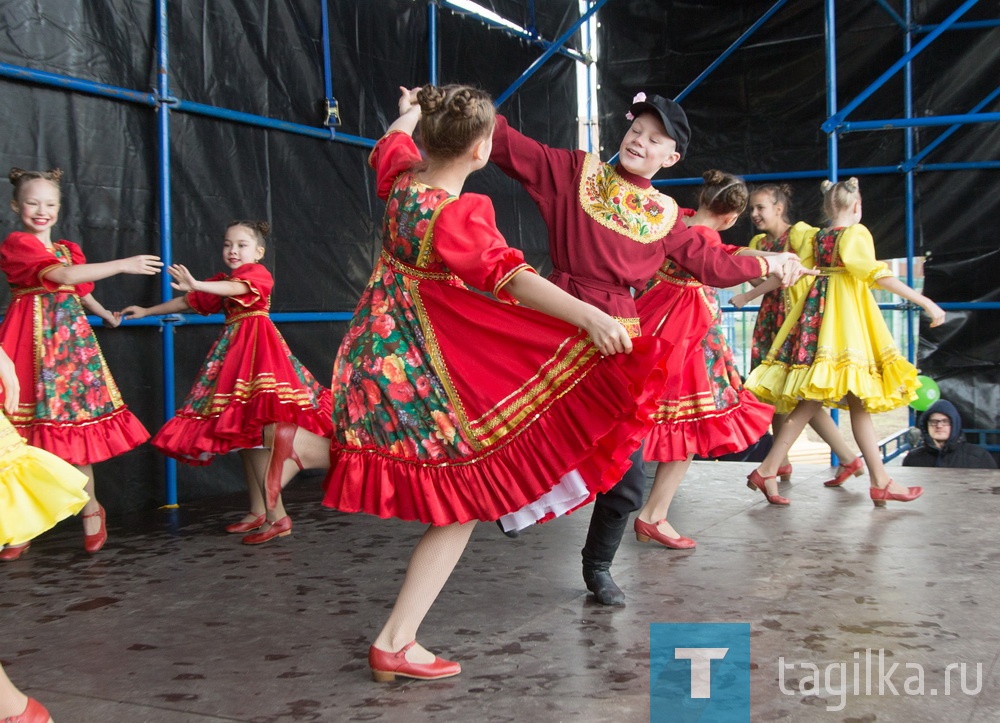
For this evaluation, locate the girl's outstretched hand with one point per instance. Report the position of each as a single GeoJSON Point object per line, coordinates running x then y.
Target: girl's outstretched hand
{"type": "Point", "coordinates": [131, 312]}
{"type": "Point", "coordinates": [738, 300]}
{"type": "Point", "coordinates": [935, 312]}
{"type": "Point", "coordinates": [789, 268]}
{"type": "Point", "coordinates": [182, 278]}
{"type": "Point", "coordinates": [10, 383]}
{"type": "Point", "coordinates": [144, 264]}
{"type": "Point", "coordinates": [111, 319]}
{"type": "Point", "coordinates": [609, 336]}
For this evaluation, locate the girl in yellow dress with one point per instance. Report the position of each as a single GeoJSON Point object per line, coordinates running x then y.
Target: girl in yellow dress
{"type": "Point", "coordinates": [37, 489]}
{"type": "Point", "coordinates": [770, 212]}
{"type": "Point", "coordinates": [835, 350]}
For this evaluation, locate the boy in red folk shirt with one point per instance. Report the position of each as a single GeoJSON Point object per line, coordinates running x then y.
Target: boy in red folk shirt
{"type": "Point", "coordinates": [609, 232]}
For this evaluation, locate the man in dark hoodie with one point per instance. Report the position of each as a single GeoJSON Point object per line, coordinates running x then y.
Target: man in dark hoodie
{"type": "Point", "coordinates": [943, 445]}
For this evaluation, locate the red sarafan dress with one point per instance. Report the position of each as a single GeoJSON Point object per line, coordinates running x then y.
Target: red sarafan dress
{"type": "Point", "coordinates": [249, 379]}
{"type": "Point", "coordinates": [703, 409]}
{"type": "Point", "coordinates": [69, 403]}
{"type": "Point", "coordinates": [450, 406]}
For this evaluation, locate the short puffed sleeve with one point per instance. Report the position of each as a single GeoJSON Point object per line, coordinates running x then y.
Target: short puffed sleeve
{"type": "Point", "coordinates": [26, 261]}
{"type": "Point", "coordinates": [856, 249]}
{"type": "Point", "coordinates": [394, 153]}
{"type": "Point", "coordinates": [800, 241]}
{"type": "Point", "coordinates": [258, 278]}
{"type": "Point", "coordinates": [76, 254]}
{"type": "Point", "coordinates": [204, 303]}
{"type": "Point", "coordinates": [468, 241]}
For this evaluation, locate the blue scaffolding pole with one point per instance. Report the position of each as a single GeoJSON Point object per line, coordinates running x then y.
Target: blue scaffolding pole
{"type": "Point", "coordinates": [164, 103]}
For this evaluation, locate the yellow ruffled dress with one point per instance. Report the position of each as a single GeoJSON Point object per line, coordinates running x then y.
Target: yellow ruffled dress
{"type": "Point", "coordinates": [834, 339]}
{"type": "Point", "coordinates": [37, 489]}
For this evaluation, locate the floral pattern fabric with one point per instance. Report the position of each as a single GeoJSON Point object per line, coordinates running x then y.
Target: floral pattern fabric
{"type": "Point", "coordinates": [71, 381]}
{"type": "Point", "coordinates": [641, 214]}
{"type": "Point", "coordinates": [771, 314]}
{"type": "Point", "coordinates": [834, 341]}
{"type": "Point", "coordinates": [383, 379]}
{"type": "Point", "coordinates": [69, 403]}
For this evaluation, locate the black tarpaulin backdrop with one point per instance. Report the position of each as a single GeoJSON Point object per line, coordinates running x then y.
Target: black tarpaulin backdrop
{"type": "Point", "coordinates": [263, 58]}
{"type": "Point", "coordinates": [761, 111]}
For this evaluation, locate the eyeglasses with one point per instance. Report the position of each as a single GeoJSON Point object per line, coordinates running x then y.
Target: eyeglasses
{"type": "Point", "coordinates": [939, 423]}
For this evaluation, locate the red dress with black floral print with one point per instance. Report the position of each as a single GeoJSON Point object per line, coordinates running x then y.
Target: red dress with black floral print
{"type": "Point", "coordinates": [703, 409]}
{"type": "Point", "coordinates": [69, 403]}
{"type": "Point", "coordinates": [249, 379]}
{"type": "Point", "coordinates": [450, 406]}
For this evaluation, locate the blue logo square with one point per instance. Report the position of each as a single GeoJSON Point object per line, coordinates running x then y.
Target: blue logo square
{"type": "Point", "coordinates": [699, 672]}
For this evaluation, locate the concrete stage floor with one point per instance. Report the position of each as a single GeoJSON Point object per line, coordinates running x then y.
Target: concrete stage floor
{"type": "Point", "coordinates": [176, 621]}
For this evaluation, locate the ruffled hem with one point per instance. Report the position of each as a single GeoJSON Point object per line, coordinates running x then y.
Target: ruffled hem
{"type": "Point", "coordinates": [37, 490]}
{"type": "Point", "coordinates": [593, 429]}
{"type": "Point", "coordinates": [196, 440]}
{"type": "Point", "coordinates": [710, 435]}
{"type": "Point", "coordinates": [830, 383]}
{"type": "Point", "coordinates": [87, 442]}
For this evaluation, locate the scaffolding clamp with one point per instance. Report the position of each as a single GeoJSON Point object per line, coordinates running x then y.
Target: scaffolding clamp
{"type": "Point", "coordinates": [332, 118]}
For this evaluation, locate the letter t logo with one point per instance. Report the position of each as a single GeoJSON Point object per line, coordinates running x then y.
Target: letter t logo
{"type": "Point", "coordinates": [701, 667]}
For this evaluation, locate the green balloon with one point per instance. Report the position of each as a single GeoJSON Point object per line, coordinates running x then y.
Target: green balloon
{"type": "Point", "coordinates": [927, 393]}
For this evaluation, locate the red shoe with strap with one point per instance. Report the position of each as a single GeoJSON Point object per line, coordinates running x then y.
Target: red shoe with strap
{"type": "Point", "coordinates": [880, 495]}
{"type": "Point", "coordinates": [34, 713]}
{"type": "Point", "coordinates": [249, 526]}
{"type": "Point", "coordinates": [93, 543]}
{"type": "Point", "coordinates": [13, 552]}
{"type": "Point", "coordinates": [755, 481]}
{"type": "Point", "coordinates": [855, 467]}
{"type": "Point", "coordinates": [278, 528]}
{"type": "Point", "coordinates": [785, 472]}
{"type": "Point", "coordinates": [644, 532]}
{"type": "Point", "coordinates": [386, 666]}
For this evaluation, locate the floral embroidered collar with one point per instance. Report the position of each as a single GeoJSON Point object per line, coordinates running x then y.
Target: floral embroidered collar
{"type": "Point", "coordinates": [625, 203]}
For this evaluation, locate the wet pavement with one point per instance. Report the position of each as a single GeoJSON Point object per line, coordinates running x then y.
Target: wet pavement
{"type": "Point", "coordinates": [176, 621]}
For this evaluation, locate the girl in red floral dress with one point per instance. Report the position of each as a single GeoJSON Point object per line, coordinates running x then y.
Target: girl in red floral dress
{"type": "Point", "coordinates": [450, 407]}
{"type": "Point", "coordinates": [771, 213]}
{"type": "Point", "coordinates": [69, 404]}
{"type": "Point", "coordinates": [704, 409]}
{"type": "Point", "coordinates": [250, 378]}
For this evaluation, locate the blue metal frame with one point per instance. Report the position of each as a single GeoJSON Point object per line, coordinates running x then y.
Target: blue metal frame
{"type": "Point", "coordinates": [530, 34]}
{"type": "Point", "coordinates": [837, 124]}
{"type": "Point", "coordinates": [834, 125]}
{"type": "Point", "coordinates": [549, 52]}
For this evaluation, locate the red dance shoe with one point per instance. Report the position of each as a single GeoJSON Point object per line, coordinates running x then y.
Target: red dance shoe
{"type": "Point", "coordinates": [278, 528]}
{"type": "Point", "coordinates": [855, 467]}
{"type": "Point", "coordinates": [93, 543]}
{"type": "Point", "coordinates": [282, 448]}
{"type": "Point", "coordinates": [879, 495]}
{"type": "Point", "coordinates": [755, 481]}
{"type": "Point", "coordinates": [34, 713]}
{"type": "Point", "coordinates": [785, 472]}
{"type": "Point", "coordinates": [386, 666]}
{"type": "Point", "coordinates": [12, 552]}
{"type": "Point", "coordinates": [644, 532]}
{"type": "Point", "coordinates": [253, 524]}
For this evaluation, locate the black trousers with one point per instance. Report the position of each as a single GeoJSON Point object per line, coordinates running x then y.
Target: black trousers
{"type": "Point", "coordinates": [611, 513]}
